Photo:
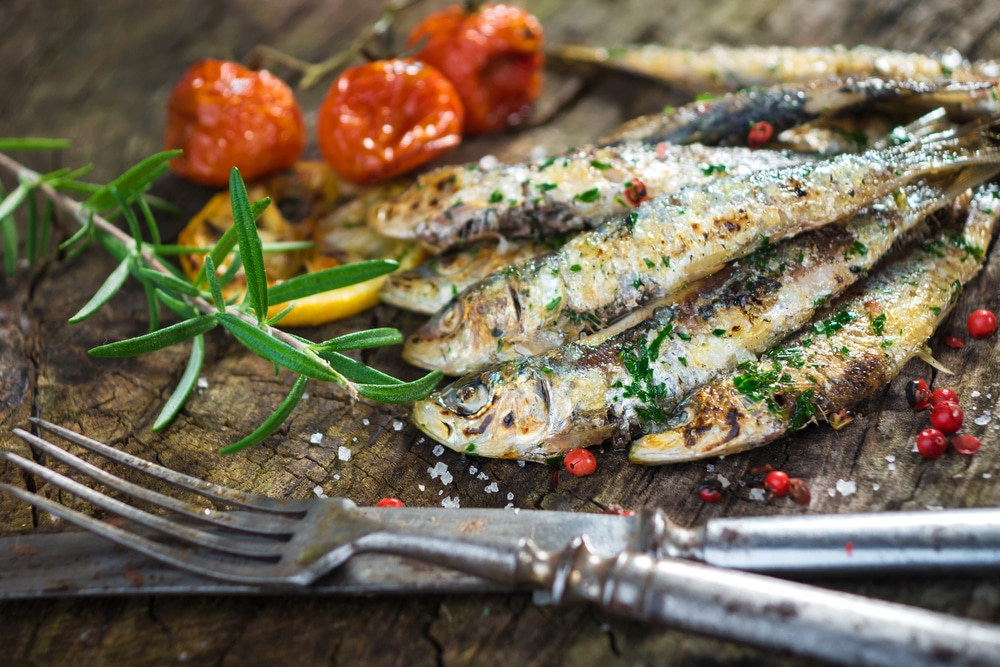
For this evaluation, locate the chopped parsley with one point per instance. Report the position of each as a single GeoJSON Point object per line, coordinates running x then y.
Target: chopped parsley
{"type": "Point", "coordinates": [552, 304]}
{"type": "Point", "coordinates": [718, 333]}
{"type": "Point", "coordinates": [496, 197]}
{"type": "Point", "coordinates": [600, 166]}
{"type": "Point", "coordinates": [588, 196]}
{"type": "Point", "coordinates": [835, 323]}
{"type": "Point", "coordinates": [878, 323]}
{"type": "Point", "coordinates": [545, 187]}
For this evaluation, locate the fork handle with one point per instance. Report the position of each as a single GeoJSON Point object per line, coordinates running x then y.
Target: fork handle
{"type": "Point", "coordinates": [771, 613]}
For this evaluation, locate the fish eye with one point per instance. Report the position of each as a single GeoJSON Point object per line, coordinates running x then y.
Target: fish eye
{"type": "Point", "coordinates": [450, 317]}
{"type": "Point", "coordinates": [467, 399]}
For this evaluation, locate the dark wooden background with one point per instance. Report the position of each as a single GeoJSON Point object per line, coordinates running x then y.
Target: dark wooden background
{"type": "Point", "coordinates": [99, 73]}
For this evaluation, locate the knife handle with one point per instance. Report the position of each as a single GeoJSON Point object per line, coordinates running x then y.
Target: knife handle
{"type": "Point", "coordinates": [770, 613]}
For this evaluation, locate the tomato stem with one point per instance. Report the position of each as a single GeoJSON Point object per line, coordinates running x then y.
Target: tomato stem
{"type": "Point", "coordinates": [313, 73]}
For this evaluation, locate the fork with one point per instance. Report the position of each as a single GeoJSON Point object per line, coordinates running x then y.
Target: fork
{"type": "Point", "coordinates": [284, 542]}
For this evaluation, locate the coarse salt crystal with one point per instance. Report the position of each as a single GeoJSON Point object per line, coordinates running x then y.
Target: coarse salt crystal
{"type": "Point", "coordinates": [520, 464]}
{"type": "Point", "coordinates": [318, 490]}
{"type": "Point", "coordinates": [982, 420]}
{"type": "Point", "coordinates": [710, 467]}
{"type": "Point", "coordinates": [832, 492]}
{"type": "Point", "coordinates": [975, 394]}
{"type": "Point", "coordinates": [315, 438]}
{"type": "Point", "coordinates": [203, 383]}
{"type": "Point", "coordinates": [757, 494]}
{"type": "Point", "coordinates": [397, 426]}
{"type": "Point", "coordinates": [451, 503]}
{"type": "Point", "coordinates": [438, 450]}
{"type": "Point", "coordinates": [354, 439]}
{"type": "Point", "coordinates": [891, 466]}
{"type": "Point", "coordinates": [724, 481]}
{"type": "Point", "coordinates": [343, 453]}
{"type": "Point", "coordinates": [510, 495]}
{"type": "Point", "coordinates": [441, 470]}
{"type": "Point", "coordinates": [305, 396]}
{"type": "Point", "coordinates": [987, 475]}
{"type": "Point", "coordinates": [483, 476]}
{"type": "Point", "coordinates": [366, 421]}
{"type": "Point", "coordinates": [337, 477]}
{"type": "Point", "coordinates": [509, 506]}
{"type": "Point", "coordinates": [421, 487]}
{"type": "Point", "coordinates": [473, 470]}
{"type": "Point", "coordinates": [875, 487]}
{"type": "Point", "coordinates": [488, 162]}
{"type": "Point", "coordinates": [492, 488]}
{"type": "Point", "coordinates": [846, 487]}
{"type": "Point", "coordinates": [538, 153]}
{"type": "Point", "coordinates": [890, 458]}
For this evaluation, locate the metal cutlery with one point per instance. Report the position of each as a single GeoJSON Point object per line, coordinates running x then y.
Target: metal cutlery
{"type": "Point", "coordinates": [275, 544]}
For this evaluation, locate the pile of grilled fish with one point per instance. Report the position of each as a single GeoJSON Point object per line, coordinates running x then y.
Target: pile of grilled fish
{"type": "Point", "coordinates": [670, 288]}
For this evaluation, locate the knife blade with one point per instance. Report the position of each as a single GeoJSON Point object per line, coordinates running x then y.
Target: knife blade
{"type": "Point", "coordinates": [80, 564]}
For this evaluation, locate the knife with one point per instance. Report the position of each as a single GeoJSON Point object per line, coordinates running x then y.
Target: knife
{"type": "Point", "coordinates": [36, 565]}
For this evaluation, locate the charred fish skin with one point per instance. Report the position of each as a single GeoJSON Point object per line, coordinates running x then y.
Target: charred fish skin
{"type": "Point", "coordinates": [430, 286]}
{"type": "Point", "coordinates": [657, 249]}
{"type": "Point", "coordinates": [725, 68]}
{"type": "Point", "coordinates": [726, 119]}
{"type": "Point", "coordinates": [579, 190]}
{"type": "Point", "coordinates": [582, 394]}
{"type": "Point", "coordinates": [856, 346]}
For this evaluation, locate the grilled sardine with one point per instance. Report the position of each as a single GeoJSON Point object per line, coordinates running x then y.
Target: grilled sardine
{"type": "Point", "coordinates": [579, 190]}
{"type": "Point", "coordinates": [657, 249]}
{"type": "Point", "coordinates": [726, 68]}
{"type": "Point", "coordinates": [857, 345]}
{"type": "Point", "coordinates": [584, 393]}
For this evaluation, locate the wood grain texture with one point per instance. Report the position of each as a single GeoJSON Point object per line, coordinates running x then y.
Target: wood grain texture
{"type": "Point", "coordinates": [99, 73]}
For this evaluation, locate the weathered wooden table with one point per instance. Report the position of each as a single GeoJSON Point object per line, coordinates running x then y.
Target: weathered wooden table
{"type": "Point", "coordinates": [100, 75]}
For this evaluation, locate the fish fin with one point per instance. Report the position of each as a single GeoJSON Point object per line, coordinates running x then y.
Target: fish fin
{"type": "Point", "coordinates": [925, 354]}
{"type": "Point", "coordinates": [931, 123]}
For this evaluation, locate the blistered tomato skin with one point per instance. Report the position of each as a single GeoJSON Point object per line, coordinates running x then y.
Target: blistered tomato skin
{"type": "Point", "coordinates": [223, 115]}
{"type": "Point", "coordinates": [493, 56]}
{"type": "Point", "coordinates": [384, 118]}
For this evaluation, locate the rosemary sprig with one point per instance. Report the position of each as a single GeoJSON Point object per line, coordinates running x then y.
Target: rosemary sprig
{"type": "Point", "coordinates": [199, 303]}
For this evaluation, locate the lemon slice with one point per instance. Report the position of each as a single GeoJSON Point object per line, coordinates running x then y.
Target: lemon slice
{"type": "Point", "coordinates": [307, 204]}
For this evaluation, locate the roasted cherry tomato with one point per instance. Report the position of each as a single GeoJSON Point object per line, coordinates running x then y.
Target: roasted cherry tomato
{"type": "Point", "coordinates": [384, 118]}
{"type": "Point", "coordinates": [493, 56]}
{"type": "Point", "coordinates": [223, 115]}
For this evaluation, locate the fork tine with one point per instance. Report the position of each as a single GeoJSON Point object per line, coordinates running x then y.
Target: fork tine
{"type": "Point", "coordinates": [267, 524]}
{"type": "Point", "coordinates": [184, 558]}
{"type": "Point", "coordinates": [207, 489]}
{"type": "Point", "coordinates": [231, 545]}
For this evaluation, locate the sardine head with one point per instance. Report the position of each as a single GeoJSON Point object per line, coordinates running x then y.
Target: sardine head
{"type": "Point", "coordinates": [503, 412]}
{"type": "Point", "coordinates": [466, 334]}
